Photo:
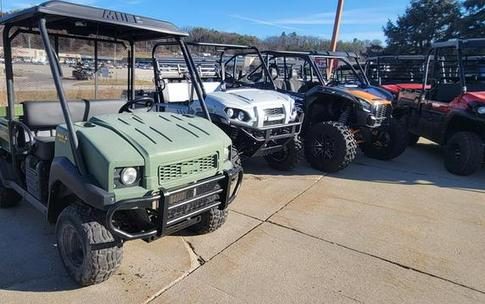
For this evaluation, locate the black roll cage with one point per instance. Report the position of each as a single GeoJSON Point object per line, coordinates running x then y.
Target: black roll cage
{"type": "Point", "coordinates": [379, 60]}
{"type": "Point", "coordinates": [35, 21]}
{"type": "Point", "coordinates": [249, 50]}
{"type": "Point", "coordinates": [459, 45]}
{"type": "Point", "coordinates": [310, 57]}
{"type": "Point", "coordinates": [54, 64]}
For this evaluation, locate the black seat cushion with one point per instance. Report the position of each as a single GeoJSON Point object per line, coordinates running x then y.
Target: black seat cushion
{"type": "Point", "coordinates": [44, 147]}
{"type": "Point", "coordinates": [446, 92]}
{"type": "Point", "coordinates": [46, 115]}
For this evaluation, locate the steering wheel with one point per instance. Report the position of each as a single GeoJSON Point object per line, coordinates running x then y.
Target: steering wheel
{"type": "Point", "coordinates": [20, 131]}
{"type": "Point", "coordinates": [144, 101]}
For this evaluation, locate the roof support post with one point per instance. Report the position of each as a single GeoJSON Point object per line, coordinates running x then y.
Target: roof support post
{"type": "Point", "coordinates": [56, 75]}
{"type": "Point", "coordinates": [196, 81]}
{"type": "Point", "coordinates": [131, 92]}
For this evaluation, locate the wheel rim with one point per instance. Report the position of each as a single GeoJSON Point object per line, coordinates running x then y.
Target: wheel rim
{"type": "Point", "coordinates": [280, 156]}
{"type": "Point", "coordinates": [382, 139]}
{"type": "Point", "coordinates": [72, 246]}
{"type": "Point", "coordinates": [323, 147]}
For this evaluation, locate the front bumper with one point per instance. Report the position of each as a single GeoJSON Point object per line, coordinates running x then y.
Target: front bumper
{"type": "Point", "coordinates": [271, 139]}
{"type": "Point", "coordinates": [180, 207]}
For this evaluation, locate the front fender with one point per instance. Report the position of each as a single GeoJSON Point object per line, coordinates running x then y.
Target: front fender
{"type": "Point", "coordinates": [317, 90]}
{"type": "Point", "coordinates": [461, 120]}
{"type": "Point", "coordinates": [64, 176]}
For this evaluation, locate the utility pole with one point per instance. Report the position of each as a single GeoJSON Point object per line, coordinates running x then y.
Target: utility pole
{"type": "Point", "coordinates": [336, 30]}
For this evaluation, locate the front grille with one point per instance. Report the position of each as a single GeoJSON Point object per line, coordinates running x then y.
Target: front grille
{"type": "Point", "coordinates": [383, 112]}
{"type": "Point", "coordinates": [274, 111]}
{"type": "Point", "coordinates": [182, 169]}
{"type": "Point", "coordinates": [176, 211]}
{"type": "Point", "coordinates": [273, 122]}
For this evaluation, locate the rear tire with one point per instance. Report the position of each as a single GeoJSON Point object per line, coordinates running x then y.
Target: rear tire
{"type": "Point", "coordinates": [88, 250]}
{"type": "Point", "coordinates": [464, 153]}
{"type": "Point", "coordinates": [387, 142]}
{"type": "Point", "coordinates": [330, 146]}
{"type": "Point", "coordinates": [286, 159]}
{"type": "Point", "coordinates": [211, 221]}
{"type": "Point", "coordinates": [8, 197]}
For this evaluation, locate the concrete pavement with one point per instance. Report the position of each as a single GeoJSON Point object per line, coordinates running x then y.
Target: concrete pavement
{"type": "Point", "coordinates": [404, 231]}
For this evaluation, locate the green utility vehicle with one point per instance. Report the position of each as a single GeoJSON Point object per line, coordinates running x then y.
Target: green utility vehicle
{"type": "Point", "coordinates": [108, 171]}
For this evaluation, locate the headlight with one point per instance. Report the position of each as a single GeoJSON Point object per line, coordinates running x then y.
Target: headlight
{"type": "Point", "coordinates": [294, 114]}
{"type": "Point", "coordinates": [227, 153]}
{"type": "Point", "coordinates": [481, 110]}
{"type": "Point", "coordinates": [128, 176]}
{"type": "Point", "coordinates": [241, 116]}
{"type": "Point", "coordinates": [365, 104]}
{"type": "Point", "coordinates": [230, 112]}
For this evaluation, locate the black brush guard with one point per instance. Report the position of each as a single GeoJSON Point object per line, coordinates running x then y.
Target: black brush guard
{"type": "Point", "coordinates": [271, 134]}
{"type": "Point", "coordinates": [181, 207]}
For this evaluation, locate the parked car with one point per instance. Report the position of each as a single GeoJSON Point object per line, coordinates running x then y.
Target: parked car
{"type": "Point", "coordinates": [342, 110]}
{"type": "Point", "coordinates": [451, 109]}
{"type": "Point", "coordinates": [104, 176]}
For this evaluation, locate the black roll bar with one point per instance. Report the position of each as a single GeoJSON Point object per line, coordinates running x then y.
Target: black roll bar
{"type": "Point", "coordinates": [238, 47]}
{"type": "Point", "coordinates": [56, 75]}
{"type": "Point", "coordinates": [131, 95]}
{"type": "Point", "coordinates": [459, 54]}
{"type": "Point", "coordinates": [196, 81]}
{"type": "Point", "coordinates": [7, 54]}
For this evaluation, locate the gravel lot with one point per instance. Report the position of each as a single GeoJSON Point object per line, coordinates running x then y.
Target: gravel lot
{"type": "Point", "coordinates": [34, 82]}
{"type": "Point", "coordinates": [404, 231]}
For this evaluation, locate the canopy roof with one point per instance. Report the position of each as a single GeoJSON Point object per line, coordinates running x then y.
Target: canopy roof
{"type": "Point", "coordinates": [472, 42]}
{"type": "Point", "coordinates": [397, 57]}
{"type": "Point", "coordinates": [336, 54]}
{"type": "Point", "coordinates": [92, 21]}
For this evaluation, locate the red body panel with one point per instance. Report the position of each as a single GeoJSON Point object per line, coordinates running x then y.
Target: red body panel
{"type": "Point", "coordinates": [460, 102]}
{"type": "Point", "coordinates": [395, 88]}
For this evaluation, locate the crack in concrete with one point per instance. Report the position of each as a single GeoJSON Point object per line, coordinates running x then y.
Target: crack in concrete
{"type": "Point", "coordinates": [378, 257]}
{"type": "Point", "coordinates": [200, 259]}
{"type": "Point", "coordinates": [193, 251]}
{"type": "Point", "coordinates": [267, 220]}
{"type": "Point", "coordinates": [194, 257]}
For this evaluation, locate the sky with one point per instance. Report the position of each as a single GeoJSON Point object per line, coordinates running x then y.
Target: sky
{"type": "Point", "coordinates": [262, 18]}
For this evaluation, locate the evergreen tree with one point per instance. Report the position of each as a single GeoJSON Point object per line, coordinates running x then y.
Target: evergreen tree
{"type": "Point", "coordinates": [473, 23]}
{"type": "Point", "coordinates": [423, 22]}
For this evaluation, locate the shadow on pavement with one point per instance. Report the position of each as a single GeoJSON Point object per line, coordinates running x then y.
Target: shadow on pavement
{"type": "Point", "coordinates": [28, 255]}
{"type": "Point", "coordinates": [258, 166]}
{"type": "Point", "coordinates": [419, 165]}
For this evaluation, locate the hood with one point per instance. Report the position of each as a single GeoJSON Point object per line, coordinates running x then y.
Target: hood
{"type": "Point", "coordinates": [238, 98]}
{"type": "Point", "coordinates": [477, 96]}
{"type": "Point", "coordinates": [261, 107]}
{"type": "Point", "coordinates": [368, 94]}
{"type": "Point", "coordinates": [149, 140]}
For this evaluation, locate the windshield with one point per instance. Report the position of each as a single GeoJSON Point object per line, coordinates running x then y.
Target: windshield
{"type": "Point", "coordinates": [337, 71]}
{"type": "Point", "coordinates": [474, 68]}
